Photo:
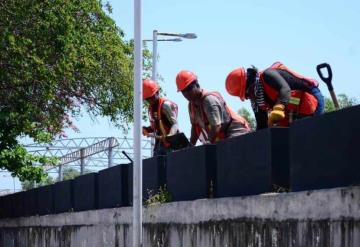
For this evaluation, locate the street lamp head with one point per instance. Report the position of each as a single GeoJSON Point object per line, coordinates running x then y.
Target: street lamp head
{"type": "Point", "coordinates": [174, 40]}
{"type": "Point", "coordinates": [177, 40]}
{"type": "Point", "coordinates": [189, 36]}
{"type": "Point", "coordinates": [181, 35]}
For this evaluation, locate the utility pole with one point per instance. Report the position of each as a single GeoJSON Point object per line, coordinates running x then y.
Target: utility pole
{"type": "Point", "coordinates": [137, 164]}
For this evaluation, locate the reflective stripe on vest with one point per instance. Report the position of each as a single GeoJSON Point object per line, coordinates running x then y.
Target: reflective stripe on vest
{"type": "Point", "coordinates": [294, 101]}
{"type": "Point", "coordinates": [295, 98]}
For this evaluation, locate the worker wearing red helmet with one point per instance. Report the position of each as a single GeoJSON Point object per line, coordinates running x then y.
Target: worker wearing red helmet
{"type": "Point", "coordinates": [278, 95]}
{"type": "Point", "coordinates": [211, 118]}
{"type": "Point", "coordinates": [162, 116]}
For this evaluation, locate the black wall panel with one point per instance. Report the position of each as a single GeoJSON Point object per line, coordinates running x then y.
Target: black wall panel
{"type": "Point", "coordinates": [18, 204]}
{"type": "Point", "coordinates": [280, 157]}
{"type": "Point", "coordinates": [6, 209]}
{"type": "Point", "coordinates": [45, 200]}
{"type": "Point", "coordinates": [63, 198]}
{"type": "Point", "coordinates": [154, 176]}
{"type": "Point", "coordinates": [85, 192]}
{"type": "Point", "coordinates": [113, 186]}
{"type": "Point", "coordinates": [2, 207]}
{"type": "Point", "coordinates": [190, 173]}
{"type": "Point", "coordinates": [253, 163]}
{"type": "Point", "coordinates": [31, 201]}
{"type": "Point", "coordinates": [325, 150]}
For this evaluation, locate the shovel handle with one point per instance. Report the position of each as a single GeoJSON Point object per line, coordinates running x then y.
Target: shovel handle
{"type": "Point", "coordinates": [327, 79]}
{"type": "Point", "coordinates": [334, 99]}
{"type": "Point", "coordinates": [328, 82]}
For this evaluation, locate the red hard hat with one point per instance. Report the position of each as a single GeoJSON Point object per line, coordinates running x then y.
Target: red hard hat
{"type": "Point", "coordinates": [150, 88]}
{"type": "Point", "coordinates": [236, 83]}
{"type": "Point", "coordinates": [184, 78]}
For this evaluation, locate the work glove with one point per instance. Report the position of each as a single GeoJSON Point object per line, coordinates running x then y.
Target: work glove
{"type": "Point", "coordinates": [277, 114]}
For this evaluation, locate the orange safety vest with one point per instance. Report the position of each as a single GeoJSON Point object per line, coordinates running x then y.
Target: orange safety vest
{"type": "Point", "coordinates": [205, 131]}
{"type": "Point", "coordinates": [156, 122]}
{"type": "Point", "coordinates": [301, 102]}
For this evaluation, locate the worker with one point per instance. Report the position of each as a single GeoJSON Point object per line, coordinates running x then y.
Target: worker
{"type": "Point", "coordinates": [162, 115]}
{"type": "Point", "coordinates": [278, 95]}
{"type": "Point", "coordinates": [211, 118]}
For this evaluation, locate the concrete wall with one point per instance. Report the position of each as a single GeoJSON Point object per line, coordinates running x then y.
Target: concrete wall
{"type": "Point", "coordinates": [314, 218]}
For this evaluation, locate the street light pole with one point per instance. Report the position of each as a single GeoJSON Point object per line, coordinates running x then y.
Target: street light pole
{"type": "Point", "coordinates": [154, 76]}
{"type": "Point", "coordinates": [155, 40]}
{"type": "Point", "coordinates": [154, 58]}
{"type": "Point", "coordinates": [137, 164]}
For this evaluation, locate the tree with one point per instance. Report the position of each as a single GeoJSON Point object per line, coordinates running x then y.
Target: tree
{"type": "Point", "coordinates": [70, 173]}
{"type": "Point", "coordinates": [248, 116]}
{"type": "Point", "coordinates": [344, 101]}
{"type": "Point", "coordinates": [56, 59]}
{"type": "Point", "coordinates": [27, 184]}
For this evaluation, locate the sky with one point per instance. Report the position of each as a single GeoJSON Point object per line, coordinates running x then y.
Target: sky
{"type": "Point", "coordinates": [234, 33]}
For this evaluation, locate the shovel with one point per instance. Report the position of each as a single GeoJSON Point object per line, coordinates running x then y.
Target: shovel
{"type": "Point", "coordinates": [328, 82]}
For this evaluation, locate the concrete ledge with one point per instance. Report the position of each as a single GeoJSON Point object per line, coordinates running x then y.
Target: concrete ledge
{"type": "Point", "coordinates": [332, 204]}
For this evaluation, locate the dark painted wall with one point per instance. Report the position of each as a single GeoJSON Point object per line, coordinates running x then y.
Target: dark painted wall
{"type": "Point", "coordinates": [319, 152]}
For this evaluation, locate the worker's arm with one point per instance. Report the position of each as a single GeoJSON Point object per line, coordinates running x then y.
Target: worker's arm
{"type": "Point", "coordinates": [213, 111]}
{"type": "Point", "coordinates": [274, 79]}
{"type": "Point", "coordinates": [194, 135]}
{"type": "Point", "coordinates": [174, 129]}
{"type": "Point", "coordinates": [214, 129]}
{"type": "Point", "coordinates": [170, 111]}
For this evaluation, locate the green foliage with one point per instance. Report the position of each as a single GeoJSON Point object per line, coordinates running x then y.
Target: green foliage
{"type": "Point", "coordinates": [70, 173]}
{"type": "Point", "coordinates": [58, 57]}
{"type": "Point", "coordinates": [344, 101]}
{"type": "Point", "coordinates": [30, 184]}
{"type": "Point", "coordinates": [158, 197]}
{"type": "Point", "coordinates": [248, 116]}
{"type": "Point", "coordinates": [19, 162]}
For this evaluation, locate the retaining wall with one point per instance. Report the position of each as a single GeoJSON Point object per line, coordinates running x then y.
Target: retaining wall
{"type": "Point", "coordinates": [328, 218]}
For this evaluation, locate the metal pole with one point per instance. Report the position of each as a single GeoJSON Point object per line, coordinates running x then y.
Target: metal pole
{"type": "Point", "coordinates": [154, 76]}
{"type": "Point", "coordinates": [110, 155]}
{"type": "Point", "coordinates": [82, 161]}
{"type": "Point", "coordinates": [137, 165]}
{"type": "Point", "coordinates": [60, 177]}
{"type": "Point", "coordinates": [154, 57]}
